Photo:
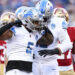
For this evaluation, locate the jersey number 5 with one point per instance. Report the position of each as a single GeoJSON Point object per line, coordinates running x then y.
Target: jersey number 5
{"type": "Point", "coordinates": [29, 47]}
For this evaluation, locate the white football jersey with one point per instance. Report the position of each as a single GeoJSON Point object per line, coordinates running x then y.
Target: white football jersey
{"type": "Point", "coordinates": [59, 34]}
{"type": "Point", "coordinates": [20, 46]}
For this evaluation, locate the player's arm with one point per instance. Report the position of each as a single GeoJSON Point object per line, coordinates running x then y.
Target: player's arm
{"type": "Point", "coordinates": [63, 37]}
{"type": "Point", "coordinates": [49, 52]}
{"type": "Point", "coordinates": [9, 25]}
{"type": "Point", "coordinates": [6, 35]}
{"type": "Point", "coordinates": [65, 42]}
{"type": "Point", "coordinates": [46, 38]}
{"type": "Point", "coordinates": [5, 32]}
{"type": "Point", "coordinates": [8, 20]}
{"type": "Point", "coordinates": [64, 45]}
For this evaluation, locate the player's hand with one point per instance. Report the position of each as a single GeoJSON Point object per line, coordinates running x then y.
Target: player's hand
{"type": "Point", "coordinates": [43, 53]}
{"type": "Point", "coordinates": [15, 23]}
{"type": "Point", "coordinates": [49, 52]}
{"type": "Point", "coordinates": [18, 22]}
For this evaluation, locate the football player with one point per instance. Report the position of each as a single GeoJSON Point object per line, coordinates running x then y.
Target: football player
{"type": "Point", "coordinates": [48, 48]}
{"type": "Point", "coordinates": [64, 60]}
{"type": "Point", "coordinates": [21, 41]}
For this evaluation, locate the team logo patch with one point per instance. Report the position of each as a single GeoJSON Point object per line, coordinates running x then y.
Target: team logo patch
{"type": "Point", "coordinates": [13, 29]}
{"type": "Point", "coordinates": [64, 25]}
{"type": "Point", "coordinates": [53, 26]}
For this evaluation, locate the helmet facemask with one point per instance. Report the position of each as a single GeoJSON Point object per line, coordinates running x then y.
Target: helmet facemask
{"type": "Point", "coordinates": [46, 19]}
{"type": "Point", "coordinates": [34, 25]}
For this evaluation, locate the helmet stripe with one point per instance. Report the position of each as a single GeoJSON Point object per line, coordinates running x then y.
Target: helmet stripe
{"type": "Point", "coordinates": [43, 6]}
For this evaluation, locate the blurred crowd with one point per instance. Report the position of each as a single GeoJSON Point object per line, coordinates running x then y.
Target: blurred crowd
{"type": "Point", "coordinates": [12, 5]}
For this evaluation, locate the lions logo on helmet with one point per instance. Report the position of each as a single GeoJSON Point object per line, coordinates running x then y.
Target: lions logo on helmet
{"type": "Point", "coordinates": [19, 12]}
{"type": "Point", "coordinates": [46, 8]}
{"type": "Point", "coordinates": [32, 18]}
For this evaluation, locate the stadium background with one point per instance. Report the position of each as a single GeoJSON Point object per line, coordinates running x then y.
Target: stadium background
{"type": "Point", "coordinates": [12, 5]}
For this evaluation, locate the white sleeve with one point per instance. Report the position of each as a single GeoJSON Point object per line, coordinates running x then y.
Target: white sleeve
{"type": "Point", "coordinates": [65, 43]}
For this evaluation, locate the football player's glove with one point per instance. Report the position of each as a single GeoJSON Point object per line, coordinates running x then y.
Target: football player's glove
{"type": "Point", "coordinates": [49, 52]}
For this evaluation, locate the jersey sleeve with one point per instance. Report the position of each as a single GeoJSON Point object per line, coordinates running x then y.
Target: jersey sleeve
{"type": "Point", "coordinates": [64, 24]}
{"type": "Point", "coordinates": [65, 43]}
{"type": "Point", "coordinates": [59, 23]}
{"type": "Point", "coordinates": [13, 29]}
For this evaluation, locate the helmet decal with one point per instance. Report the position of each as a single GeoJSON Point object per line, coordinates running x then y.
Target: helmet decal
{"type": "Point", "coordinates": [29, 13]}
{"type": "Point", "coordinates": [43, 6]}
{"type": "Point", "coordinates": [19, 11]}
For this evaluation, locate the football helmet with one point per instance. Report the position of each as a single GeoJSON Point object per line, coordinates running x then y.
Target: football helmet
{"type": "Point", "coordinates": [33, 19]}
{"type": "Point", "coordinates": [19, 11]}
{"type": "Point", "coordinates": [46, 8]}
{"type": "Point", "coordinates": [7, 17]}
{"type": "Point", "coordinates": [61, 12]}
